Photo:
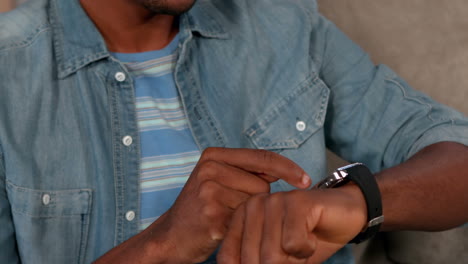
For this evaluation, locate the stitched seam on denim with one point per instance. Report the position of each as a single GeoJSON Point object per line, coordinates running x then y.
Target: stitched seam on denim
{"type": "Point", "coordinates": [118, 149]}
{"type": "Point", "coordinates": [202, 103]}
{"type": "Point", "coordinates": [72, 192]}
{"type": "Point", "coordinates": [181, 54]}
{"type": "Point", "coordinates": [321, 115]}
{"type": "Point", "coordinates": [126, 87]}
{"type": "Point", "coordinates": [429, 137]}
{"type": "Point", "coordinates": [206, 32]}
{"type": "Point", "coordinates": [313, 18]}
{"type": "Point", "coordinates": [76, 63]}
{"type": "Point", "coordinates": [324, 50]}
{"type": "Point", "coordinates": [117, 160]}
{"type": "Point", "coordinates": [45, 216]}
{"type": "Point", "coordinates": [314, 12]}
{"type": "Point", "coordinates": [416, 99]}
{"type": "Point", "coordinates": [442, 127]}
{"type": "Point", "coordinates": [137, 140]}
{"type": "Point", "coordinates": [30, 39]}
{"type": "Point", "coordinates": [297, 141]}
{"type": "Point", "coordinates": [85, 219]}
{"type": "Point", "coordinates": [113, 120]}
{"type": "Point", "coordinates": [16, 187]}
{"type": "Point", "coordinates": [2, 164]}
{"type": "Point", "coordinates": [1, 155]}
{"type": "Point", "coordinates": [412, 98]}
{"type": "Point", "coordinates": [265, 120]}
{"type": "Point", "coordinates": [318, 60]}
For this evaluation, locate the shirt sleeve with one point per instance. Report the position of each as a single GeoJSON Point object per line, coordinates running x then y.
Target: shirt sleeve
{"type": "Point", "coordinates": [8, 252]}
{"type": "Point", "coordinates": [373, 115]}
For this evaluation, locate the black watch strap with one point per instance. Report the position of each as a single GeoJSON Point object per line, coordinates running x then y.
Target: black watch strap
{"type": "Point", "coordinates": [363, 178]}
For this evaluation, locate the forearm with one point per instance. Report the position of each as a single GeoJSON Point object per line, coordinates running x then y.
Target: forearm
{"type": "Point", "coordinates": [427, 192]}
{"type": "Point", "coordinates": [147, 247]}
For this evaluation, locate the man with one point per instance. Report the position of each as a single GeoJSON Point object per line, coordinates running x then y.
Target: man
{"type": "Point", "coordinates": [79, 136]}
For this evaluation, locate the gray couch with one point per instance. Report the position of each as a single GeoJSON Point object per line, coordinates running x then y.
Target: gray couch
{"type": "Point", "coordinates": [426, 42]}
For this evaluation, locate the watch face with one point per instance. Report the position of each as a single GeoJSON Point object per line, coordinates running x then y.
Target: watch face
{"type": "Point", "coordinates": [337, 178]}
{"type": "Point", "coordinates": [325, 183]}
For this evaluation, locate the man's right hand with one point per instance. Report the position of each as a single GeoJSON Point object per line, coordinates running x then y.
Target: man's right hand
{"type": "Point", "coordinates": [194, 226]}
{"type": "Point", "coordinates": [222, 180]}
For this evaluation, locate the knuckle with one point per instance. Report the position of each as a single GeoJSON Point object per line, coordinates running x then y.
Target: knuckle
{"type": "Point", "coordinates": [291, 246]}
{"type": "Point", "coordinates": [264, 187]}
{"type": "Point", "coordinates": [217, 232]}
{"type": "Point", "coordinates": [211, 211]}
{"type": "Point", "coordinates": [208, 168]}
{"type": "Point", "coordinates": [208, 190]}
{"type": "Point", "coordinates": [255, 203]}
{"type": "Point", "coordinates": [266, 156]}
{"type": "Point", "coordinates": [275, 199]}
{"type": "Point", "coordinates": [209, 153]}
{"type": "Point", "coordinates": [256, 200]}
{"type": "Point", "coordinates": [297, 249]}
{"type": "Point", "coordinates": [216, 220]}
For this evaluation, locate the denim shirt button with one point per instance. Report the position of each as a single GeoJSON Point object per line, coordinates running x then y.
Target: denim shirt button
{"type": "Point", "coordinates": [127, 140]}
{"type": "Point", "coordinates": [46, 199]}
{"type": "Point", "coordinates": [301, 126]}
{"type": "Point", "coordinates": [120, 76]}
{"type": "Point", "coordinates": [130, 215]}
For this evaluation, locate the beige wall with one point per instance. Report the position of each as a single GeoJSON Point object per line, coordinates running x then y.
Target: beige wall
{"type": "Point", "coordinates": [424, 41]}
{"type": "Point", "coordinates": [6, 5]}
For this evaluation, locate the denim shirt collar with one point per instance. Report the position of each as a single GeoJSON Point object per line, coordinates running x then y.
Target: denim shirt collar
{"type": "Point", "coordinates": [77, 42]}
{"type": "Point", "coordinates": [205, 19]}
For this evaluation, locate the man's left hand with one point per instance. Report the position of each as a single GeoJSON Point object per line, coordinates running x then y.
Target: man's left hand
{"type": "Point", "coordinates": [301, 226]}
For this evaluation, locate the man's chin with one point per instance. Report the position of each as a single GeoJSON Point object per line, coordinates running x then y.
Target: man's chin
{"type": "Point", "coordinates": [168, 7]}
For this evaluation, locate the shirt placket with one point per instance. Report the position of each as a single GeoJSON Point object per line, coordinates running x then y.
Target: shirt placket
{"type": "Point", "coordinates": [126, 152]}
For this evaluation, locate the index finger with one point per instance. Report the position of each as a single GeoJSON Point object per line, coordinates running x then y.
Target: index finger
{"type": "Point", "coordinates": [230, 251]}
{"type": "Point", "coordinates": [261, 162]}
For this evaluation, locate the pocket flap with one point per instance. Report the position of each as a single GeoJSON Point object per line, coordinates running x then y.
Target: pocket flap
{"type": "Point", "coordinates": [45, 203]}
{"type": "Point", "coordinates": [293, 119]}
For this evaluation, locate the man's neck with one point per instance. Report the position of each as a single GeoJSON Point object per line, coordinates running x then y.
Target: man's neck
{"type": "Point", "coordinates": [128, 27]}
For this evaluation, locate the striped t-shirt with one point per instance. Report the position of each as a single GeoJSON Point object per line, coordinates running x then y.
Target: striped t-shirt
{"type": "Point", "coordinates": [168, 150]}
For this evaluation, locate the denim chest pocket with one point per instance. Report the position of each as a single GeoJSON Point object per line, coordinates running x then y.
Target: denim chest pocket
{"type": "Point", "coordinates": [50, 226]}
{"type": "Point", "coordinates": [292, 120]}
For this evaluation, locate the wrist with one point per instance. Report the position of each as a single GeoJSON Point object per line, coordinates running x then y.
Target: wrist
{"type": "Point", "coordinates": [158, 245]}
{"type": "Point", "coordinates": [359, 202]}
{"type": "Point", "coordinates": [359, 174]}
{"type": "Point", "coordinates": [155, 249]}
{"type": "Point", "coordinates": [148, 247]}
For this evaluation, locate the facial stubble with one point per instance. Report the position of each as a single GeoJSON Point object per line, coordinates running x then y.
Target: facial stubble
{"type": "Point", "coordinates": [168, 7]}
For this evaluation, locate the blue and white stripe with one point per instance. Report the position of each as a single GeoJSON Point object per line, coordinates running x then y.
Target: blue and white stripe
{"type": "Point", "coordinates": [169, 152]}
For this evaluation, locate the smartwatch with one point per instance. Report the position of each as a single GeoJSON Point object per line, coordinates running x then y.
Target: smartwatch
{"type": "Point", "coordinates": [363, 178]}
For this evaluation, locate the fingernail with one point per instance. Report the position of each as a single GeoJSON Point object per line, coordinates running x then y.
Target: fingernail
{"type": "Point", "coordinates": [306, 180]}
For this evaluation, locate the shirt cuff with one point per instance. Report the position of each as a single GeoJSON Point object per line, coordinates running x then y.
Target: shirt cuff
{"type": "Point", "coordinates": [448, 132]}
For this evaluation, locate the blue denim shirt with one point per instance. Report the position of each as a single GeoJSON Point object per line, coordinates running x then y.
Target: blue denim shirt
{"type": "Point", "coordinates": [267, 74]}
